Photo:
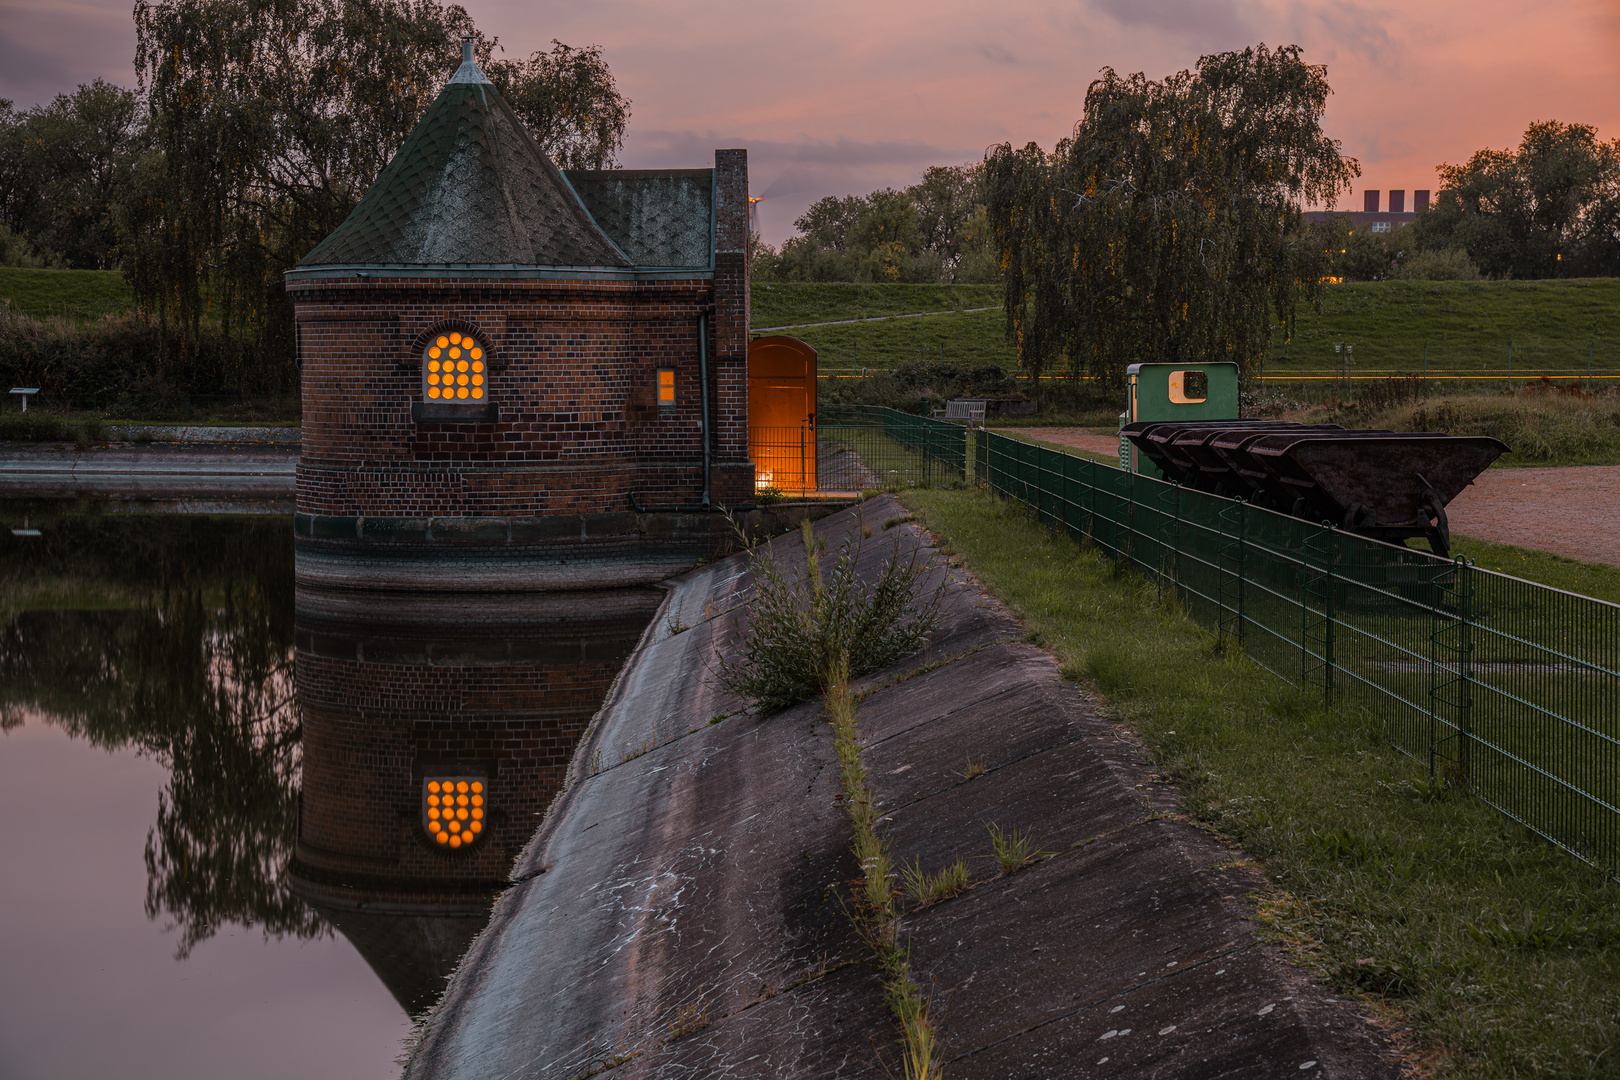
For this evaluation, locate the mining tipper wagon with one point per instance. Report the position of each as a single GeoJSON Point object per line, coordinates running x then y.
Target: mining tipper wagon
{"type": "Point", "coordinates": [1386, 485]}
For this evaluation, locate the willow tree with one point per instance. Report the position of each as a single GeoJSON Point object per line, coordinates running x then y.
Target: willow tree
{"type": "Point", "coordinates": [271, 118]}
{"type": "Point", "coordinates": [1168, 228]}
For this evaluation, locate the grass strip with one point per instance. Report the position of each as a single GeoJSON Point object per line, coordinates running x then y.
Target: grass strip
{"type": "Point", "coordinates": [874, 907]}
{"type": "Point", "coordinates": [1597, 580]}
{"type": "Point", "coordinates": [71, 294]}
{"type": "Point", "coordinates": [1485, 951]}
{"type": "Point", "coordinates": [874, 910]}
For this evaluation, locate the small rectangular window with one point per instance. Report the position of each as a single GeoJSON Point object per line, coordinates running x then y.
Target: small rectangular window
{"type": "Point", "coordinates": [666, 390]}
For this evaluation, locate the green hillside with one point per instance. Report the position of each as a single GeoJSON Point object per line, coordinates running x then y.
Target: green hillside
{"type": "Point", "coordinates": [797, 303]}
{"type": "Point", "coordinates": [73, 294]}
{"type": "Point", "coordinates": [1465, 325]}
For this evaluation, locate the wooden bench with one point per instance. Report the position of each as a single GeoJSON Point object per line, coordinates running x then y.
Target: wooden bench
{"type": "Point", "coordinates": [969, 409]}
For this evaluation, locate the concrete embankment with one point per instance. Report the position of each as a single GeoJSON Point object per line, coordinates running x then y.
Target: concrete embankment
{"type": "Point", "coordinates": [194, 472]}
{"type": "Point", "coordinates": [679, 915]}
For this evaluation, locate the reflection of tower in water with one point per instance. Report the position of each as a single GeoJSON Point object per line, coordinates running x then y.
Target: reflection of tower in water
{"type": "Point", "coordinates": [436, 730]}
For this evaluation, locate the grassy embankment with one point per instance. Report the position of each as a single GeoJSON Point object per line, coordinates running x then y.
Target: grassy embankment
{"type": "Point", "coordinates": [65, 294]}
{"type": "Point", "coordinates": [77, 335]}
{"type": "Point", "coordinates": [972, 338]}
{"type": "Point", "coordinates": [1467, 325]}
{"type": "Point", "coordinates": [1489, 953]}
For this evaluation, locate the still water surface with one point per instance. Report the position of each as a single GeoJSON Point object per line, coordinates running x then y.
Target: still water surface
{"type": "Point", "coordinates": [217, 854]}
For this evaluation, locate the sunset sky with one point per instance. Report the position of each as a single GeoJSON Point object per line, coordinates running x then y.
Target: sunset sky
{"type": "Point", "coordinates": [838, 97]}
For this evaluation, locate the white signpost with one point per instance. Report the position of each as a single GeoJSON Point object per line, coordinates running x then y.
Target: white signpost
{"type": "Point", "coordinates": [24, 392]}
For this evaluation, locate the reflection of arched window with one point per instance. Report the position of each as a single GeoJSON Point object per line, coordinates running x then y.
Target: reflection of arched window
{"type": "Point", "coordinates": [453, 810]}
{"type": "Point", "coordinates": [454, 370]}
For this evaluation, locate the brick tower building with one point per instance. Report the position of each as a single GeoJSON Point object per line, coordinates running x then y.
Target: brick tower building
{"type": "Point", "coordinates": [516, 377]}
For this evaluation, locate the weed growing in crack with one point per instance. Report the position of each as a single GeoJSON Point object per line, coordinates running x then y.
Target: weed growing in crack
{"type": "Point", "coordinates": [1013, 850]}
{"type": "Point", "coordinates": [798, 627]}
{"type": "Point", "coordinates": [925, 888]}
{"type": "Point", "coordinates": [689, 1019]}
{"type": "Point", "coordinates": [875, 915]}
{"type": "Point", "coordinates": [973, 769]}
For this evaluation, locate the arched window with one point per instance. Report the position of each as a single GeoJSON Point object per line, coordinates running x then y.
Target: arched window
{"type": "Point", "coordinates": [454, 370]}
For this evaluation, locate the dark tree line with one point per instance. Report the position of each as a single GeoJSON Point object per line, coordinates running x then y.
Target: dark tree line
{"type": "Point", "coordinates": [64, 170]}
{"type": "Point", "coordinates": [256, 128]}
{"type": "Point", "coordinates": [1549, 208]}
{"type": "Point", "coordinates": [934, 231]}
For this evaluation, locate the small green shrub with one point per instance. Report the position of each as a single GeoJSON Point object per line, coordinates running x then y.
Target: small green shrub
{"type": "Point", "coordinates": [925, 888]}
{"type": "Point", "coordinates": [1014, 850]}
{"type": "Point", "coordinates": [1449, 264]}
{"type": "Point", "coordinates": [1539, 424]}
{"type": "Point", "coordinates": [799, 626]}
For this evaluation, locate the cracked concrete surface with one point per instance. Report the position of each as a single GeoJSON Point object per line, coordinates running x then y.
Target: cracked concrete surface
{"type": "Point", "coordinates": [678, 913]}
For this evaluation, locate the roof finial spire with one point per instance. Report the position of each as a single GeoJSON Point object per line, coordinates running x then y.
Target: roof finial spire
{"type": "Point", "coordinates": [469, 71]}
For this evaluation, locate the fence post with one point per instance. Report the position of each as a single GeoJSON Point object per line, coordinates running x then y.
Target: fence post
{"type": "Point", "coordinates": [1319, 622]}
{"type": "Point", "coordinates": [1231, 552]}
{"type": "Point", "coordinates": [1175, 543]}
{"type": "Point", "coordinates": [1465, 674]}
{"type": "Point", "coordinates": [1127, 552]}
{"type": "Point", "coordinates": [1460, 685]}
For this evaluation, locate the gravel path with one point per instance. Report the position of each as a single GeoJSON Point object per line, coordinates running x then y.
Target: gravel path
{"type": "Point", "coordinates": [1572, 511]}
{"type": "Point", "coordinates": [1078, 438]}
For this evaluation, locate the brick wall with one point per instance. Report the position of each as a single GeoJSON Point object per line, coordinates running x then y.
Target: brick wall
{"type": "Point", "coordinates": [572, 370]}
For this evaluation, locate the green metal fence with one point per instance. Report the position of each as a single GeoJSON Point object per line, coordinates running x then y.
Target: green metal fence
{"type": "Point", "coordinates": [1504, 688]}
{"type": "Point", "coordinates": [942, 445]}
{"type": "Point", "coordinates": [857, 448]}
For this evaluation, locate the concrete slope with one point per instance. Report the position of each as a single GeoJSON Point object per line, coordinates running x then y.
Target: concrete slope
{"type": "Point", "coordinates": [678, 913]}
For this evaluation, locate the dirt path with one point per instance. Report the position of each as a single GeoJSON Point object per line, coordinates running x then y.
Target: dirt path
{"type": "Point", "coordinates": [1079, 438]}
{"type": "Point", "coordinates": [1572, 511]}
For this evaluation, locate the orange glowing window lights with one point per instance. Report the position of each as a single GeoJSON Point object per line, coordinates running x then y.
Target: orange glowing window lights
{"type": "Point", "coordinates": [453, 370]}
{"type": "Point", "coordinates": [666, 386]}
{"type": "Point", "coordinates": [453, 811]}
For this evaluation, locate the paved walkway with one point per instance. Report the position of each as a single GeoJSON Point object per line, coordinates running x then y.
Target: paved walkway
{"type": "Point", "coordinates": [155, 471]}
{"type": "Point", "coordinates": [1079, 438]}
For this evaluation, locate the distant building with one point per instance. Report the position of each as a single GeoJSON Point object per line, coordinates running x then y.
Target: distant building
{"type": "Point", "coordinates": [1372, 217]}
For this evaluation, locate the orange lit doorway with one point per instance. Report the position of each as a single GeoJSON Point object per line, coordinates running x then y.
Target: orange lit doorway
{"type": "Point", "coordinates": [782, 414]}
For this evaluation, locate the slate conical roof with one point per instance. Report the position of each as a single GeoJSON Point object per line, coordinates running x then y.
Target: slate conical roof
{"type": "Point", "coordinates": [468, 187]}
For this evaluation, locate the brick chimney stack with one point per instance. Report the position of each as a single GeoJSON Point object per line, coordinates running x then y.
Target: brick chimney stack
{"type": "Point", "coordinates": [1420, 200]}
{"type": "Point", "coordinates": [1397, 201]}
{"type": "Point", "coordinates": [1370, 201]}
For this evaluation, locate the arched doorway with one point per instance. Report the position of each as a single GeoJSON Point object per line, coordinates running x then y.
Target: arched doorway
{"type": "Point", "coordinates": [782, 414]}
